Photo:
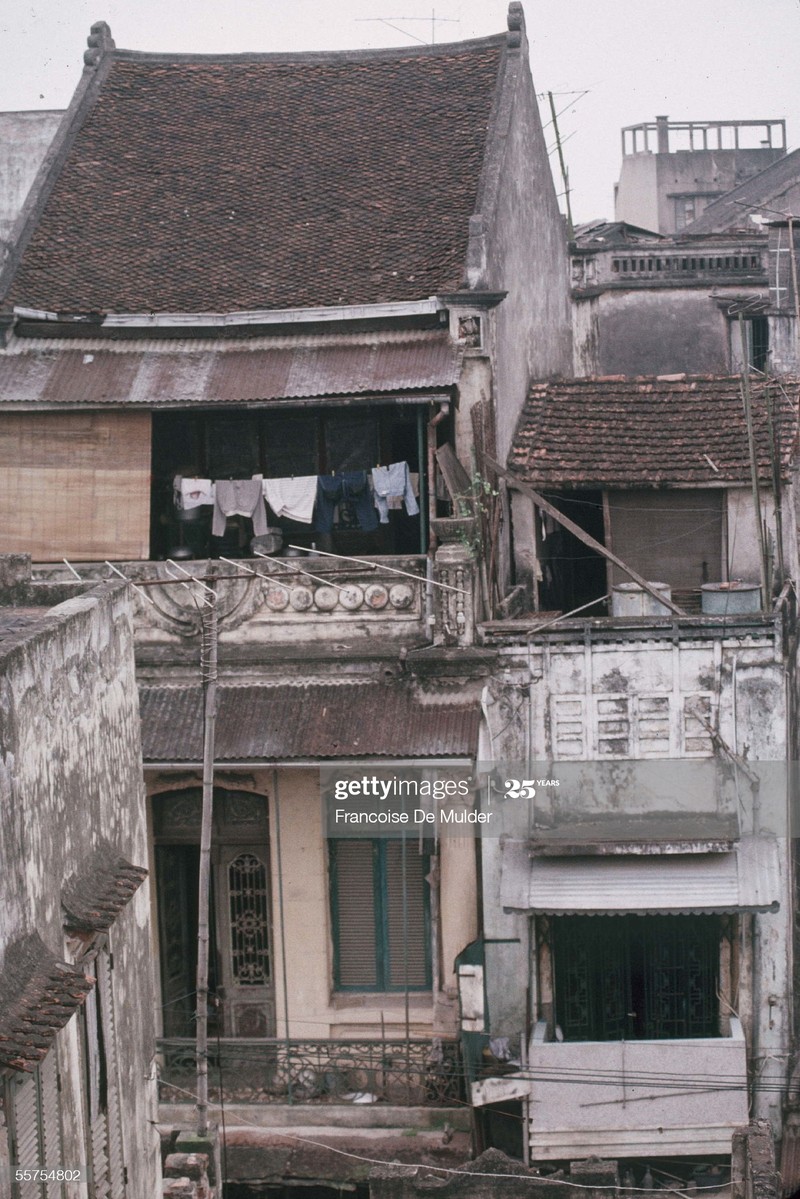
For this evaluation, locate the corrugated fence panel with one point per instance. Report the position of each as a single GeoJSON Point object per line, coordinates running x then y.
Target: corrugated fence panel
{"type": "Point", "coordinates": [75, 485]}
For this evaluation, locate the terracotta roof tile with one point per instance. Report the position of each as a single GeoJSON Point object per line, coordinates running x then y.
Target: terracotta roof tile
{"type": "Point", "coordinates": [93, 900]}
{"type": "Point", "coordinates": [649, 432]}
{"type": "Point", "coordinates": [40, 994]}
{"type": "Point", "coordinates": [226, 184]}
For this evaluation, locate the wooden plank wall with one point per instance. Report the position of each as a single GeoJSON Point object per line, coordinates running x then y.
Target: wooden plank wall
{"type": "Point", "coordinates": [75, 485]}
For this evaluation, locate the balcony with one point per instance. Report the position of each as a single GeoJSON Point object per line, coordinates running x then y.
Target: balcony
{"type": "Point", "coordinates": [318, 1072]}
{"type": "Point", "coordinates": [629, 1098]}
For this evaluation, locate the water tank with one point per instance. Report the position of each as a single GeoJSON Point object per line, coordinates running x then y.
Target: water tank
{"type": "Point", "coordinates": [730, 599]}
{"type": "Point", "coordinates": [629, 599]}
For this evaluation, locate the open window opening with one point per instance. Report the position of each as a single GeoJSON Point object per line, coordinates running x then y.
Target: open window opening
{"type": "Point", "coordinates": [315, 441]}
{"type": "Point", "coordinates": [573, 574]}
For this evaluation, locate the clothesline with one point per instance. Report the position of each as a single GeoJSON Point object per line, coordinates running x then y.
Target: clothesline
{"type": "Point", "coordinates": [306, 499]}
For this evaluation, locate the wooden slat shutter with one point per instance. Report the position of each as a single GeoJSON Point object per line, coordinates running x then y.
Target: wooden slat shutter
{"type": "Point", "coordinates": [407, 965]}
{"type": "Point", "coordinates": [354, 913]}
{"type": "Point", "coordinates": [95, 1061]}
{"type": "Point", "coordinates": [50, 1109]}
{"type": "Point", "coordinates": [26, 1151]}
{"type": "Point", "coordinates": [114, 1145]}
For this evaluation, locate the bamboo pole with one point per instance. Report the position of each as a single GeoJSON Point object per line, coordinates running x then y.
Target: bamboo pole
{"type": "Point", "coordinates": [583, 536]}
{"type": "Point", "coordinates": [751, 446]}
{"type": "Point", "coordinates": [209, 671]}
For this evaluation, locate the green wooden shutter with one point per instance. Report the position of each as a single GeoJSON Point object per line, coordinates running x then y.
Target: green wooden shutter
{"type": "Point", "coordinates": [408, 952]}
{"type": "Point", "coordinates": [353, 867]}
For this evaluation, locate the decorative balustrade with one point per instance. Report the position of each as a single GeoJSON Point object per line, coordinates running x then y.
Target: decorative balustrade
{"type": "Point", "coordinates": [405, 1072]}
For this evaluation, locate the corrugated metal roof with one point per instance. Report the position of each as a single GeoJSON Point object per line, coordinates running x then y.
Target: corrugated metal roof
{"type": "Point", "coordinates": [235, 373]}
{"type": "Point", "coordinates": [317, 721]}
{"type": "Point", "coordinates": [747, 879]}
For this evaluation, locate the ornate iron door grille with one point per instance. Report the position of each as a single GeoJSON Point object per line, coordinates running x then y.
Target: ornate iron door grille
{"type": "Point", "coordinates": [636, 977]}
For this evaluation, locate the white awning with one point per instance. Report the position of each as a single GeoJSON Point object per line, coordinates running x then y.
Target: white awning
{"type": "Point", "coordinates": [748, 879]}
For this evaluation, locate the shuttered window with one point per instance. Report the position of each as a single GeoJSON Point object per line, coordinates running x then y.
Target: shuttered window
{"type": "Point", "coordinates": [107, 1166]}
{"type": "Point", "coordinates": [380, 916]}
{"type": "Point", "coordinates": [34, 1108]}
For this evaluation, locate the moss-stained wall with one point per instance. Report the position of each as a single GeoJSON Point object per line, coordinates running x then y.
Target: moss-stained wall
{"type": "Point", "coordinates": [70, 779]}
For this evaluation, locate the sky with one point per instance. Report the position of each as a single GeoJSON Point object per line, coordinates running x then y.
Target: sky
{"type": "Point", "coordinates": [609, 63]}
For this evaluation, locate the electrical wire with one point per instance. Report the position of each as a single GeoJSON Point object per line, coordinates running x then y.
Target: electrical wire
{"type": "Point", "coordinates": [448, 1170]}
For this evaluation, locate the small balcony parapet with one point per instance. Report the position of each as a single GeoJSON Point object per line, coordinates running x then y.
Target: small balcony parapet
{"type": "Point", "coordinates": [418, 1073]}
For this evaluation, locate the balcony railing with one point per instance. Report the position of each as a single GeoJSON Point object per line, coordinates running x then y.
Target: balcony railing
{"type": "Point", "coordinates": [406, 1072]}
{"type": "Point", "coordinates": [682, 266]}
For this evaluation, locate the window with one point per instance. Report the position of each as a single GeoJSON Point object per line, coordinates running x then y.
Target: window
{"type": "Point", "coordinates": [380, 916]}
{"type": "Point", "coordinates": [32, 1104]}
{"type": "Point", "coordinates": [636, 977]}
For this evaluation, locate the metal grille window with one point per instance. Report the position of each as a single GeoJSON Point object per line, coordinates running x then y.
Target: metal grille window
{"type": "Point", "coordinates": [249, 913]}
{"type": "Point", "coordinates": [636, 977]}
{"type": "Point", "coordinates": [380, 916]}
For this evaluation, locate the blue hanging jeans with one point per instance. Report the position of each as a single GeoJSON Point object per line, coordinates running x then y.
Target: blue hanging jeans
{"type": "Point", "coordinates": [350, 487]}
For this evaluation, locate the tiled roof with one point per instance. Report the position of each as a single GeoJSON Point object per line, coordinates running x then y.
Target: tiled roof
{"type": "Point", "coordinates": [160, 374]}
{"type": "Point", "coordinates": [40, 994]}
{"type": "Point", "coordinates": [773, 190]}
{"type": "Point", "coordinates": [93, 900]}
{"type": "Point", "coordinates": [285, 722]}
{"type": "Point", "coordinates": [197, 184]}
{"type": "Point", "coordinates": [648, 432]}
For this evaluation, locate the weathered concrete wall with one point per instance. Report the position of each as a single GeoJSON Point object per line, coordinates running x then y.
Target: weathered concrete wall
{"type": "Point", "coordinates": [24, 139]}
{"type": "Point", "coordinates": [648, 183]}
{"type": "Point", "coordinates": [636, 192]}
{"type": "Point", "coordinates": [660, 332]}
{"type": "Point", "coordinates": [71, 778]}
{"type": "Point", "coordinates": [525, 252]}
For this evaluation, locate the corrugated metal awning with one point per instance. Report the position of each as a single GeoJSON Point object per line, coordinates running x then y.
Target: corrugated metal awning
{"type": "Point", "coordinates": [746, 880]}
{"type": "Point", "coordinates": [263, 370]}
{"type": "Point", "coordinates": [317, 721]}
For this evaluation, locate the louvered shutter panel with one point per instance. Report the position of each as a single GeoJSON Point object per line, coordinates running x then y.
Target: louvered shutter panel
{"type": "Point", "coordinates": [355, 913]}
{"type": "Point", "coordinates": [50, 1107]}
{"type": "Point", "coordinates": [408, 962]}
{"type": "Point", "coordinates": [97, 1109]}
{"type": "Point", "coordinates": [26, 1153]}
{"type": "Point", "coordinates": [109, 1043]}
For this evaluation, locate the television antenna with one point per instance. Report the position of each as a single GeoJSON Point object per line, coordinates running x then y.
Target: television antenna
{"type": "Point", "coordinates": [434, 20]}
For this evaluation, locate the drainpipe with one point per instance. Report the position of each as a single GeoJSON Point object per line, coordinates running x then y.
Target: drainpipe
{"type": "Point", "coordinates": [444, 410]}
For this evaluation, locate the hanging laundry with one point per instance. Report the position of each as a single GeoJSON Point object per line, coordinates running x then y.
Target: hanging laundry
{"type": "Point", "coordinates": [393, 480]}
{"type": "Point", "coordinates": [351, 489]}
{"type": "Point", "coordinates": [395, 502]}
{"type": "Point", "coordinates": [192, 493]}
{"type": "Point", "coordinates": [292, 497]}
{"type": "Point", "coordinates": [239, 497]}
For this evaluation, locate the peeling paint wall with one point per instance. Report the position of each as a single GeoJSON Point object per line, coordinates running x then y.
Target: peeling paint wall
{"type": "Point", "coordinates": [621, 702]}
{"type": "Point", "coordinates": [24, 140]}
{"type": "Point", "coordinates": [70, 776]}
